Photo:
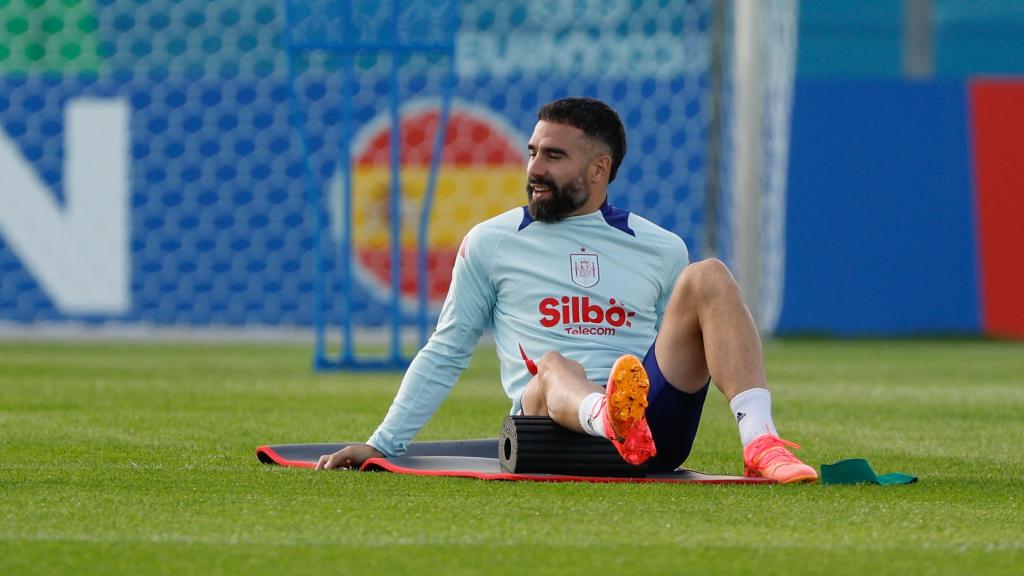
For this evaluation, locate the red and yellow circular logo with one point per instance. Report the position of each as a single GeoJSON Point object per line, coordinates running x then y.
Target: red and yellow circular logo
{"type": "Point", "coordinates": [482, 174]}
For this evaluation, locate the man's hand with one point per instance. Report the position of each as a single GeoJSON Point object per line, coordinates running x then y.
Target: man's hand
{"type": "Point", "coordinates": [348, 457]}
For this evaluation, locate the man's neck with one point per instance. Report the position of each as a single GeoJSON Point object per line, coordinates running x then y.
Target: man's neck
{"type": "Point", "coordinates": [594, 203]}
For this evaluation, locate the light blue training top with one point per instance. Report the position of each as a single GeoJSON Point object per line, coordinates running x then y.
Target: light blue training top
{"type": "Point", "coordinates": [591, 287]}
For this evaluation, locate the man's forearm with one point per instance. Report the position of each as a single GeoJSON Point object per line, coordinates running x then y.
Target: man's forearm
{"type": "Point", "coordinates": [426, 385]}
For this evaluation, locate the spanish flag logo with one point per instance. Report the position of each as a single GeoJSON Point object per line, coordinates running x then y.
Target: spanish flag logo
{"type": "Point", "coordinates": [481, 174]}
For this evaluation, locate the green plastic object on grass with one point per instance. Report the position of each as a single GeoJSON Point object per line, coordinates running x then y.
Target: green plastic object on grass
{"type": "Point", "coordinates": [858, 471]}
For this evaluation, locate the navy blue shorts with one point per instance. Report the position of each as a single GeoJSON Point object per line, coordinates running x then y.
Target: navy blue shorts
{"type": "Point", "coordinates": [673, 416]}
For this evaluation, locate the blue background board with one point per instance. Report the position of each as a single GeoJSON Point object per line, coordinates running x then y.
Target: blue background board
{"type": "Point", "coordinates": [864, 38]}
{"type": "Point", "coordinates": [850, 38]}
{"type": "Point", "coordinates": [221, 230]}
{"type": "Point", "coordinates": [880, 224]}
{"type": "Point", "coordinates": [200, 252]}
{"type": "Point", "coordinates": [979, 37]}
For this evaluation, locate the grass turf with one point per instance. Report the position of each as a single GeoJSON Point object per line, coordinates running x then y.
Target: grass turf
{"type": "Point", "coordinates": [140, 458]}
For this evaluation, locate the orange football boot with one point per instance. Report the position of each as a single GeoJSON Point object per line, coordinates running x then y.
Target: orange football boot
{"type": "Point", "coordinates": [625, 423]}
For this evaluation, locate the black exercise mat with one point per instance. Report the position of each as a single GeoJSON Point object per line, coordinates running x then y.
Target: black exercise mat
{"type": "Point", "coordinates": [307, 455]}
{"type": "Point", "coordinates": [470, 459]}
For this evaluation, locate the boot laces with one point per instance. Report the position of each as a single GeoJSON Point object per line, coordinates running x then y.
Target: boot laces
{"type": "Point", "coordinates": [775, 450]}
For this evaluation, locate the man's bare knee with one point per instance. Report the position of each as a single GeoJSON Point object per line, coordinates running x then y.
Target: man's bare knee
{"type": "Point", "coordinates": [554, 366]}
{"type": "Point", "coordinates": [704, 280]}
{"type": "Point", "coordinates": [561, 384]}
{"type": "Point", "coordinates": [548, 363]}
{"type": "Point", "coordinates": [537, 389]}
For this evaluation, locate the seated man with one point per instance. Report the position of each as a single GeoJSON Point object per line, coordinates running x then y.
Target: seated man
{"type": "Point", "coordinates": [588, 289]}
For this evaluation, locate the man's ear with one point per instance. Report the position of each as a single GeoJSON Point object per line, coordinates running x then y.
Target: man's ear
{"type": "Point", "coordinates": [600, 167]}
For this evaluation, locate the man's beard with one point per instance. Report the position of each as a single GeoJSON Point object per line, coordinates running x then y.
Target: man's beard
{"type": "Point", "coordinates": [562, 200]}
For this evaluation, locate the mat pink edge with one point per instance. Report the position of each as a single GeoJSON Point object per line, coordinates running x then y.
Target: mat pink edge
{"type": "Point", "coordinates": [281, 460]}
{"type": "Point", "coordinates": [377, 464]}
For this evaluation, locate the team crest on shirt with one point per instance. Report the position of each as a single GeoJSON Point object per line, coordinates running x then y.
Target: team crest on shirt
{"type": "Point", "coordinates": [584, 269]}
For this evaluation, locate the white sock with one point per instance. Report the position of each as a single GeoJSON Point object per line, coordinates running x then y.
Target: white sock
{"type": "Point", "coordinates": [591, 414]}
{"type": "Point", "coordinates": [753, 412]}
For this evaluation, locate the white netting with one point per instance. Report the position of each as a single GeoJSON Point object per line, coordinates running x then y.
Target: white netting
{"type": "Point", "coordinates": [219, 228]}
{"type": "Point", "coordinates": [649, 60]}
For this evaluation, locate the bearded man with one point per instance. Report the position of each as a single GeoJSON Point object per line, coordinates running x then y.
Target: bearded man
{"type": "Point", "coordinates": [577, 292]}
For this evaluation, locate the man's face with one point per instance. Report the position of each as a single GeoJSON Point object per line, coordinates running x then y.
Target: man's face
{"type": "Point", "coordinates": [557, 184]}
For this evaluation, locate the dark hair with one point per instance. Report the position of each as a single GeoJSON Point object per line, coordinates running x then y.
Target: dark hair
{"type": "Point", "coordinates": [595, 118]}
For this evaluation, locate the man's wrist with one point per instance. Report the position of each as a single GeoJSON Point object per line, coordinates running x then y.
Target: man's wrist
{"type": "Point", "coordinates": [372, 443]}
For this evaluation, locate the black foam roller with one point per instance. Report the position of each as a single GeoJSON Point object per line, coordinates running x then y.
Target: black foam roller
{"type": "Point", "coordinates": [537, 445]}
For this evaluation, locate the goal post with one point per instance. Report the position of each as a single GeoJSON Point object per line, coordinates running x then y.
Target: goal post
{"type": "Point", "coordinates": [763, 74]}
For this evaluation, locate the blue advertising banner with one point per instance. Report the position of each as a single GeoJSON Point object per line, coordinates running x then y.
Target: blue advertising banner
{"type": "Point", "coordinates": [153, 176]}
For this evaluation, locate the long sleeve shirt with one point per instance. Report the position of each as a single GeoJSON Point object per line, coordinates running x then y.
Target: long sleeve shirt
{"type": "Point", "coordinates": [591, 287]}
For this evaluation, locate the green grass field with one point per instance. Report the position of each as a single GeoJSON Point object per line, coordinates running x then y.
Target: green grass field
{"type": "Point", "coordinates": [139, 458]}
